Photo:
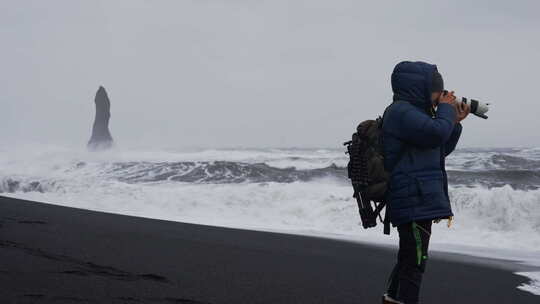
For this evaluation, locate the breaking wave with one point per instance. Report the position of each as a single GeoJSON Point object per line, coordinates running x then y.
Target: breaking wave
{"type": "Point", "coordinates": [14, 184]}
{"type": "Point", "coordinates": [228, 172]}
{"type": "Point", "coordinates": [216, 172]}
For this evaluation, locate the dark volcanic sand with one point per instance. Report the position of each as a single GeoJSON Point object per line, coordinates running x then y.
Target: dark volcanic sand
{"type": "Point", "coordinates": [53, 254]}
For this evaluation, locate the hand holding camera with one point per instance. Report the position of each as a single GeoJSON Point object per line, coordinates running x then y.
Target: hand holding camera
{"type": "Point", "coordinates": [464, 105]}
{"type": "Point", "coordinates": [462, 108]}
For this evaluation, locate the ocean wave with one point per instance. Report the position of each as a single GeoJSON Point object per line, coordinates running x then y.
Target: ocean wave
{"type": "Point", "coordinates": [22, 184]}
{"type": "Point", "coordinates": [492, 160]}
{"type": "Point", "coordinates": [499, 217]}
{"type": "Point", "coordinates": [498, 209]}
{"type": "Point", "coordinates": [216, 172]}
{"type": "Point", "coordinates": [235, 172]}
{"type": "Point", "coordinates": [517, 179]}
{"type": "Point", "coordinates": [226, 172]}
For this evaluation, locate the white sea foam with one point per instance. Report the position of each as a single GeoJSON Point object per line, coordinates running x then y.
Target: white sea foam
{"type": "Point", "coordinates": [534, 285]}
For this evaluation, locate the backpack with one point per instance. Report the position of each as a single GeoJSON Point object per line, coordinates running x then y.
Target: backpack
{"type": "Point", "coordinates": [367, 174]}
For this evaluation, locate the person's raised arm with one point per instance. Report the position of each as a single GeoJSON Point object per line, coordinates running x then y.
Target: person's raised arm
{"type": "Point", "coordinates": [463, 110]}
{"type": "Point", "coordinates": [423, 131]}
{"type": "Point", "coordinates": [451, 144]}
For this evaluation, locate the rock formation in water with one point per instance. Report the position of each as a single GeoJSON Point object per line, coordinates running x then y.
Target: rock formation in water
{"type": "Point", "coordinates": [101, 137]}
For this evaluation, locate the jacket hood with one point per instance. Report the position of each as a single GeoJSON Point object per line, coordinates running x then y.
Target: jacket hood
{"type": "Point", "coordinates": [412, 81]}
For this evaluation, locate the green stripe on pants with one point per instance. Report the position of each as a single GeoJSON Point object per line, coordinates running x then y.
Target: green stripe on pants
{"type": "Point", "coordinates": [416, 233]}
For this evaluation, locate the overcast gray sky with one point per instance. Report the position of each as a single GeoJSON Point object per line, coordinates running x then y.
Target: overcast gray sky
{"type": "Point", "coordinates": [272, 73]}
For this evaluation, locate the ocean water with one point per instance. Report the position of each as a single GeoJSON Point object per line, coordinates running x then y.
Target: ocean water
{"type": "Point", "coordinates": [495, 193]}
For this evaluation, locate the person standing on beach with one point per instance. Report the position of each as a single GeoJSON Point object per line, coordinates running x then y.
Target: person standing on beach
{"type": "Point", "coordinates": [420, 128]}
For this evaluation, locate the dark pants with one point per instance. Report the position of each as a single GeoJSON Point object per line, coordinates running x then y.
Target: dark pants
{"type": "Point", "coordinates": [406, 277]}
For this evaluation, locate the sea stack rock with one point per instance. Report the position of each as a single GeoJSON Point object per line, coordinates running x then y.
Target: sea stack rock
{"type": "Point", "coordinates": [101, 137]}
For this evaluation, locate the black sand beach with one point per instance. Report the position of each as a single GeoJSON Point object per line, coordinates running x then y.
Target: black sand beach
{"type": "Point", "coordinates": [53, 254]}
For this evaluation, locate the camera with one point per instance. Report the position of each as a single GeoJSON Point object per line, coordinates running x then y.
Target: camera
{"type": "Point", "coordinates": [478, 108]}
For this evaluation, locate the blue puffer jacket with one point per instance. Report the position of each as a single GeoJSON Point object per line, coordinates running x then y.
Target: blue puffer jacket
{"type": "Point", "coordinates": [415, 145]}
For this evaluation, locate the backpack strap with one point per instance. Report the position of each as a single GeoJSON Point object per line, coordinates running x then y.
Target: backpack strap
{"type": "Point", "coordinates": [386, 223]}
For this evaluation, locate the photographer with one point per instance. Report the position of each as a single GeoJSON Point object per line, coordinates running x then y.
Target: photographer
{"type": "Point", "coordinates": [421, 127]}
